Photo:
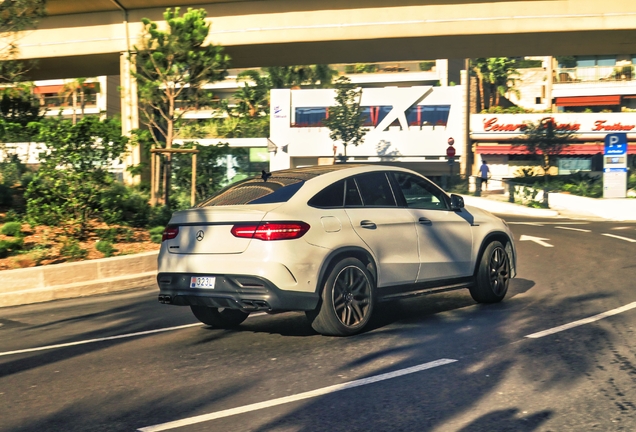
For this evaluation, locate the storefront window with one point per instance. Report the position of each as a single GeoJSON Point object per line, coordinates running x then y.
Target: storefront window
{"type": "Point", "coordinates": [310, 117]}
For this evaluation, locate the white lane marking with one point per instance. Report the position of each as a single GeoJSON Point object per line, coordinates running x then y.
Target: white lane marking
{"type": "Point", "coordinates": [123, 336]}
{"type": "Point", "coordinates": [623, 228]}
{"type": "Point", "coordinates": [548, 223]}
{"type": "Point", "coordinates": [582, 321]}
{"type": "Point", "coordinates": [631, 240]}
{"type": "Point", "coordinates": [294, 398]}
{"type": "Point", "coordinates": [573, 229]}
{"type": "Point", "coordinates": [537, 240]}
{"type": "Point", "coordinates": [87, 341]}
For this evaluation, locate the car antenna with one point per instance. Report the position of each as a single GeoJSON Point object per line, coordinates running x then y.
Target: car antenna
{"type": "Point", "coordinates": [265, 175]}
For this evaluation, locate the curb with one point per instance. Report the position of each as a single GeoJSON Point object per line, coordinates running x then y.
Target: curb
{"type": "Point", "coordinates": [78, 279]}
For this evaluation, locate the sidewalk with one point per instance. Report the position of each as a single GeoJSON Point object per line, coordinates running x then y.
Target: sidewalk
{"type": "Point", "coordinates": [564, 205]}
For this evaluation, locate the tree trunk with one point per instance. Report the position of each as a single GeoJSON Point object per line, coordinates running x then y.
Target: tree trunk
{"type": "Point", "coordinates": [167, 173]}
{"type": "Point", "coordinates": [74, 99]}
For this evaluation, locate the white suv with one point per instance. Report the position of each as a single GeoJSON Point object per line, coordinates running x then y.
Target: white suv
{"type": "Point", "coordinates": [331, 241]}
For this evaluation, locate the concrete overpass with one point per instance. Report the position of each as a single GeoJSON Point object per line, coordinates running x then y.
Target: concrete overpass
{"type": "Point", "coordinates": [86, 38]}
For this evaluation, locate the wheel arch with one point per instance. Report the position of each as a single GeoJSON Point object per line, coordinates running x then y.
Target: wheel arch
{"type": "Point", "coordinates": [504, 239]}
{"type": "Point", "coordinates": [347, 252]}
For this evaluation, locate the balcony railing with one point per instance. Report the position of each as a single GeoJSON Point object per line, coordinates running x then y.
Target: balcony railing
{"type": "Point", "coordinates": [594, 74]}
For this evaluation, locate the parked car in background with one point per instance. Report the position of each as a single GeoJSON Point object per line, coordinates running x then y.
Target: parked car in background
{"type": "Point", "coordinates": [332, 241]}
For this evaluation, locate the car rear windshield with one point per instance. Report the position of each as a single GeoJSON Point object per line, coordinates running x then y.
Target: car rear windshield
{"type": "Point", "coordinates": [255, 191]}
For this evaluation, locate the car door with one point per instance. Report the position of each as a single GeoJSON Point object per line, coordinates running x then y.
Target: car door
{"type": "Point", "coordinates": [388, 230]}
{"type": "Point", "coordinates": [445, 240]}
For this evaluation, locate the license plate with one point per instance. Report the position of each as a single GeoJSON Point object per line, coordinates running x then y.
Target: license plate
{"type": "Point", "coordinates": [202, 282]}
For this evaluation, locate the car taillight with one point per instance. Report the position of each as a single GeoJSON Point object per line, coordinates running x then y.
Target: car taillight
{"type": "Point", "coordinates": [170, 232]}
{"type": "Point", "coordinates": [271, 230]}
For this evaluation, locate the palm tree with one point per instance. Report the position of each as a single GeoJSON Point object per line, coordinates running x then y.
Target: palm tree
{"type": "Point", "coordinates": [71, 90]}
{"type": "Point", "coordinates": [253, 97]}
{"type": "Point", "coordinates": [500, 74]}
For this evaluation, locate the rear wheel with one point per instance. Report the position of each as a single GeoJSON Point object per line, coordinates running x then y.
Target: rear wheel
{"type": "Point", "coordinates": [219, 318]}
{"type": "Point", "coordinates": [493, 275]}
{"type": "Point", "coordinates": [346, 300]}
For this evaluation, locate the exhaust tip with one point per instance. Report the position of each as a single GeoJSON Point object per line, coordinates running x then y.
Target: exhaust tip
{"type": "Point", "coordinates": [165, 299]}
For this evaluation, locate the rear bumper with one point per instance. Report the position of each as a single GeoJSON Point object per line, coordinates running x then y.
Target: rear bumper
{"type": "Point", "coordinates": [247, 293]}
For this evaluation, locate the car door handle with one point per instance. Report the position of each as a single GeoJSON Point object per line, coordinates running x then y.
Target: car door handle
{"type": "Point", "coordinates": [368, 224]}
{"type": "Point", "coordinates": [425, 221]}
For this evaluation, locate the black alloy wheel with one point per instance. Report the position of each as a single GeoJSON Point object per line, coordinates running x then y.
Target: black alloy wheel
{"type": "Point", "coordinates": [493, 275]}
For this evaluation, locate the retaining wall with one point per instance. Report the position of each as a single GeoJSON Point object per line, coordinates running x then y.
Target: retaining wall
{"type": "Point", "coordinates": [78, 279]}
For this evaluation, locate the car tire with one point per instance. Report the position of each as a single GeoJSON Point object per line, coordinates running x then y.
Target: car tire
{"type": "Point", "coordinates": [346, 300]}
{"type": "Point", "coordinates": [219, 318]}
{"type": "Point", "coordinates": [493, 275]}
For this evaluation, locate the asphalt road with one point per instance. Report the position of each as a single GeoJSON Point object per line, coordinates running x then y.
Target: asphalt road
{"type": "Point", "coordinates": [439, 363]}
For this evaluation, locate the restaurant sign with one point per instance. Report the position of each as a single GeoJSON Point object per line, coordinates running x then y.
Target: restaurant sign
{"type": "Point", "coordinates": [497, 126]}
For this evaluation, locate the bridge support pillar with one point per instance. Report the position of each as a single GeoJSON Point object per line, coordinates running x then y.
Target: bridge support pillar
{"type": "Point", "coordinates": [129, 115]}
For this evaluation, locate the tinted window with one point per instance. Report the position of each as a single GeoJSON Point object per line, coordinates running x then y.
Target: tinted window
{"type": "Point", "coordinates": [331, 196]}
{"type": "Point", "coordinates": [375, 190]}
{"type": "Point", "coordinates": [255, 191]}
{"type": "Point", "coordinates": [419, 193]}
{"type": "Point", "coordinates": [352, 195]}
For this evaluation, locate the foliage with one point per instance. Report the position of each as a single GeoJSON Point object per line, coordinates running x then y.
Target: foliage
{"type": "Point", "coordinates": [507, 110]}
{"type": "Point", "coordinates": [345, 120]}
{"type": "Point", "coordinates": [72, 249]}
{"type": "Point", "coordinates": [172, 67]}
{"type": "Point", "coordinates": [15, 17]}
{"type": "Point", "coordinates": [316, 76]}
{"type": "Point", "coordinates": [427, 65]}
{"type": "Point", "coordinates": [73, 89]}
{"type": "Point", "coordinates": [361, 68]}
{"type": "Point", "coordinates": [566, 61]}
{"type": "Point", "coordinates": [499, 74]}
{"type": "Point", "coordinates": [122, 204]}
{"type": "Point", "coordinates": [11, 229]}
{"type": "Point", "coordinates": [18, 108]}
{"type": "Point", "coordinates": [105, 247]}
{"type": "Point", "coordinates": [73, 173]}
{"type": "Point", "coordinates": [156, 234]}
{"type": "Point", "coordinates": [545, 139]}
{"type": "Point", "coordinates": [527, 63]}
{"type": "Point", "coordinates": [211, 170]}
{"type": "Point", "coordinates": [9, 247]}
{"type": "Point", "coordinates": [577, 183]}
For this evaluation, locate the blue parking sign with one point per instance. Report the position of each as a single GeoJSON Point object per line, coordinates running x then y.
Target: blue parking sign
{"type": "Point", "coordinates": [615, 144]}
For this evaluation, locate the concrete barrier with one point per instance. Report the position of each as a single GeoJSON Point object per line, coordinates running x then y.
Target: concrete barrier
{"type": "Point", "coordinates": [78, 279]}
{"type": "Point", "coordinates": [617, 209]}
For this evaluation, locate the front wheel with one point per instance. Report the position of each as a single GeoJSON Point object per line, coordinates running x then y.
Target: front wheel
{"type": "Point", "coordinates": [219, 318]}
{"type": "Point", "coordinates": [346, 300]}
{"type": "Point", "coordinates": [493, 275]}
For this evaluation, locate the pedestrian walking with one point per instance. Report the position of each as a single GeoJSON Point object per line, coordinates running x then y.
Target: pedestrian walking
{"type": "Point", "coordinates": [485, 175]}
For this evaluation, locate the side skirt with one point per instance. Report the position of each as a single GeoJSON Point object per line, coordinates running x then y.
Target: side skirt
{"type": "Point", "coordinates": [421, 289]}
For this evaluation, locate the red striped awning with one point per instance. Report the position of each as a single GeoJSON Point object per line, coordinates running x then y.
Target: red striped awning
{"type": "Point", "coordinates": [589, 100]}
{"type": "Point", "coordinates": [48, 89]}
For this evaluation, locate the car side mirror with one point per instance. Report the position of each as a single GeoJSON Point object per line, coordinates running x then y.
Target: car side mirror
{"type": "Point", "coordinates": [457, 202]}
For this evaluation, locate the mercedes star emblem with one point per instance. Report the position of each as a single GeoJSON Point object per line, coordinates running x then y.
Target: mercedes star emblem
{"type": "Point", "coordinates": [200, 235]}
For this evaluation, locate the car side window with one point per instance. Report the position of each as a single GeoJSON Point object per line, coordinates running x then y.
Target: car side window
{"type": "Point", "coordinates": [420, 193]}
{"type": "Point", "coordinates": [330, 197]}
{"type": "Point", "coordinates": [352, 195]}
{"type": "Point", "coordinates": [375, 190]}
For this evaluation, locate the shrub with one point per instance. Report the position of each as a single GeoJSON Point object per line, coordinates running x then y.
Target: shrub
{"type": "Point", "coordinates": [7, 247]}
{"type": "Point", "coordinates": [156, 234]}
{"type": "Point", "coordinates": [159, 216]}
{"type": "Point", "coordinates": [72, 249]}
{"type": "Point", "coordinates": [105, 247]}
{"type": "Point", "coordinates": [426, 65]}
{"type": "Point", "coordinates": [6, 196]}
{"type": "Point", "coordinates": [124, 205]}
{"type": "Point", "coordinates": [11, 229]}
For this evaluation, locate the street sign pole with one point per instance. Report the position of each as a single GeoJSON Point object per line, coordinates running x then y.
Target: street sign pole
{"type": "Point", "coordinates": [615, 166]}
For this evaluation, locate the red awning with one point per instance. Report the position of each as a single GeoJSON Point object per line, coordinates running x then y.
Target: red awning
{"type": "Point", "coordinates": [572, 149]}
{"type": "Point", "coordinates": [588, 100]}
{"type": "Point", "coordinates": [48, 89]}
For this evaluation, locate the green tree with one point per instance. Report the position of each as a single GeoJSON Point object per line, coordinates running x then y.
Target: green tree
{"type": "Point", "coordinates": [71, 90]}
{"type": "Point", "coordinates": [296, 76]}
{"type": "Point", "coordinates": [18, 108]}
{"type": "Point", "coordinates": [498, 75]}
{"type": "Point", "coordinates": [172, 67]}
{"type": "Point", "coordinates": [545, 140]}
{"type": "Point", "coordinates": [15, 17]}
{"type": "Point", "coordinates": [74, 172]}
{"type": "Point", "coordinates": [345, 120]}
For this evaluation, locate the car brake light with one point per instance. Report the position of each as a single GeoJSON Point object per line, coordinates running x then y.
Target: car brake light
{"type": "Point", "coordinates": [171, 232]}
{"type": "Point", "coordinates": [271, 230]}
